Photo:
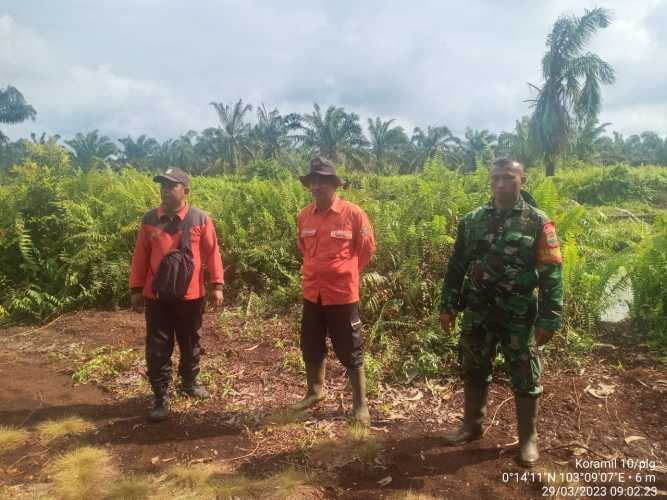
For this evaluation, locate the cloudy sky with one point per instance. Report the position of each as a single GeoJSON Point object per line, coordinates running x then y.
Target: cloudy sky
{"type": "Point", "coordinates": [153, 66]}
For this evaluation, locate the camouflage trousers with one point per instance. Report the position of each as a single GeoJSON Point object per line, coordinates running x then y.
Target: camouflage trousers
{"type": "Point", "coordinates": [478, 347]}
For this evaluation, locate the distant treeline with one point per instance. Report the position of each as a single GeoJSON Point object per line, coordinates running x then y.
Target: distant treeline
{"type": "Point", "coordinates": [236, 144]}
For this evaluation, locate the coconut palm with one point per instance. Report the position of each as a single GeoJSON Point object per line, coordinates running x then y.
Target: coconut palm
{"type": "Point", "coordinates": [233, 130]}
{"type": "Point", "coordinates": [14, 109]}
{"type": "Point", "coordinates": [91, 148]}
{"type": "Point", "coordinates": [427, 144]}
{"type": "Point", "coordinates": [386, 143]}
{"type": "Point", "coordinates": [336, 135]}
{"type": "Point", "coordinates": [571, 89]}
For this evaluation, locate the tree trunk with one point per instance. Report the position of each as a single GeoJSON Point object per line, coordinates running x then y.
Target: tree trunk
{"type": "Point", "coordinates": [550, 169]}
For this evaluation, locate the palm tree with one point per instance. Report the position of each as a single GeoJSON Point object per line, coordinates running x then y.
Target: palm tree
{"type": "Point", "coordinates": [14, 109]}
{"type": "Point", "coordinates": [233, 131]}
{"type": "Point", "coordinates": [589, 139]}
{"type": "Point", "coordinates": [518, 145]}
{"type": "Point", "coordinates": [44, 139]}
{"type": "Point", "coordinates": [386, 142]}
{"type": "Point", "coordinates": [652, 148]}
{"type": "Point", "coordinates": [271, 134]}
{"type": "Point", "coordinates": [478, 147]}
{"type": "Point", "coordinates": [175, 152]}
{"type": "Point", "coordinates": [210, 151]}
{"type": "Point", "coordinates": [335, 135]}
{"type": "Point", "coordinates": [571, 89]}
{"type": "Point", "coordinates": [91, 148]}
{"type": "Point", "coordinates": [139, 152]}
{"type": "Point", "coordinates": [427, 144]}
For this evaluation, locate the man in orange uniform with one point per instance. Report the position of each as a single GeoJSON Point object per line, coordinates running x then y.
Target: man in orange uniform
{"type": "Point", "coordinates": [160, 232]}
{"type": "Point", "coordinates": [337, 242]}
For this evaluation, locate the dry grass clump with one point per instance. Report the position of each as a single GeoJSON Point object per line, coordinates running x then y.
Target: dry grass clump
{"type": "Point", "coordinates": [38, 491]}
{"type": "Point", "coordinates": [363, 444]}
{"type": "Point", "coordinates": [237, 487]}
{"type": "Point", "coordinates": [83, 474]}
{"type": "Point", "coordinates": [54, 429]}
{"type": "Point", "coordinates": [214, 481]}
{"type": "Point", "coordinates": [194, 476]}
{"type": "Point", "coordinates": [11, 437]}
{"type": "Point", "coordinates": [285, 484]}
{"type": "Point", "coordinates": [130, 488]}
{"type": "Point", "coordinates": [410, 495]}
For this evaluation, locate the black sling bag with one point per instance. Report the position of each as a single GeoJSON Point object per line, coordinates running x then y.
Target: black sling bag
{"type": "Point", "coordinates": [174, 274]}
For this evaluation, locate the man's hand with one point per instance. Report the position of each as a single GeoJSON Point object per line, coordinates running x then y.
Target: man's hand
{"type": "Point", "coordinates": [447, 321]}
{"type": "Point", "coordinates": [542, 336]}
{"type": "Point", "coordinates": [215, 298]}
{"type": "Point", "coordinates": [137, 301]}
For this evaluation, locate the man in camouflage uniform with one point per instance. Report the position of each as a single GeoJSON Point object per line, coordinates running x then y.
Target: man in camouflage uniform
{"type": "Point", "coordinates": [505, 252]}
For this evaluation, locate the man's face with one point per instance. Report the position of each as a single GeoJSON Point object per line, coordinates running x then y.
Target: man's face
{"type": "Point", "coordinates": [322, 187]}
{"type": "Point", "coordinates": [506, 182]}
{"type": "Point", "coordinates": [172, 193]}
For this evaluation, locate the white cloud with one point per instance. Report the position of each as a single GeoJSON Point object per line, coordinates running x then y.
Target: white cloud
{"type": "Point", "coordinates": [432, 63]}
{"type": "Point", "coordinates": [76, 98]}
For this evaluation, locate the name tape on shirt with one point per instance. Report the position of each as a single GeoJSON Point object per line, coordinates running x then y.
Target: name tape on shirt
{"type": "Point", "coordinates": [342, 234]}
{"type": "Point", "coordinates": [308, 232]}
{"type": "Point", "coordinates": [548, 251]}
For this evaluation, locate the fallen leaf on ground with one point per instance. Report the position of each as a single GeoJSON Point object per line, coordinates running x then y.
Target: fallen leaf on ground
{"type": "Point", "coordinates": [579, 451]}
{"type": "Point", "coordinates": [385, 481]}
{"type": "Point", "coordinates": [155, 459]}
{"type": "Point", "coordinates": [416, 397]}
{"type": "Point", "coordinates": [396, 416]}
{"type": "Point", "coordinates": [631, 439]}
{"type": "Point", "coordinates": [603, 391]}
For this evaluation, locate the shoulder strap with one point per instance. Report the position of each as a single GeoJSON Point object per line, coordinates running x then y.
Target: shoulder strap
{"type": "Point", "coordinates": [528, 198]}
{"type": "Point", "coordinates": [187, 227]}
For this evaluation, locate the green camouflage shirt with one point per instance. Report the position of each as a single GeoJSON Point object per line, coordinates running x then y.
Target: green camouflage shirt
{"type": "Point", "coordinates": [507, 266]}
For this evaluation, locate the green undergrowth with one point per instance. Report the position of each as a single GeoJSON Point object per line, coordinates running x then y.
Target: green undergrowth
{"type": "Point", "coordinates": [68, 238]}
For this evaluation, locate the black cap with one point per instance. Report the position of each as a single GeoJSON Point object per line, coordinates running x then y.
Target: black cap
{"type": "Point", "coordinates": [173, 174]}
{"type": "Point", "coordinates": [321, 166]}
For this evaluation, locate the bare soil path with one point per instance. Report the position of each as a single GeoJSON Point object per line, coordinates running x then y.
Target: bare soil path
{"type": "Point", "coordinates": [604, 413]}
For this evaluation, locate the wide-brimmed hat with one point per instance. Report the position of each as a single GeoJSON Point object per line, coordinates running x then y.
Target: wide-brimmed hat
{"type": "Point", "coordinates": [323, 167]}
{"type": "Point", "coordinates": [173, 174]}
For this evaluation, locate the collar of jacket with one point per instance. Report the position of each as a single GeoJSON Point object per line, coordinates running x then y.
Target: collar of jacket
{"type": "Point", "coordinates": [336, 206]}
{"type": "Point", "coordinates": [518, 206]}
{"type": "Point", "coordinates": [161, 212]}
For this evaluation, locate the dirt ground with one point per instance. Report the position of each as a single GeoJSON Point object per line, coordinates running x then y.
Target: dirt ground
{"type": "Point", "coordinates": [605, 412]}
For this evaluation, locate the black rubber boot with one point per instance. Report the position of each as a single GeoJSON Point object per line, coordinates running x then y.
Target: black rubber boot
{"type": "Point", "coordinates": [474, 411]}
{"type": "Point", "coordinates": [194, 390]}
{"type": "Point", "coordinates": [315, 372]}
{"type": "Point", "coordinates": [526, 416]}
{"type": "Point", "coordinates": [360, 414]}
{"type": "Point", "coordinates": [160, 411]}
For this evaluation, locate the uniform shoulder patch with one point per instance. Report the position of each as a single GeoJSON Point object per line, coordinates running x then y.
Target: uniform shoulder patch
{"type": "Point", "coordinates": [548, 248]}
{"type": "Point", "coordinates": [551, 239]}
